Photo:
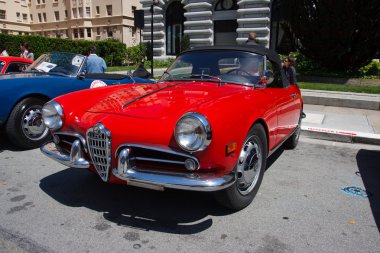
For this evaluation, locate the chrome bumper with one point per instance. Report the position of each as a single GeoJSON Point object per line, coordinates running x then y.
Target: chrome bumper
{"type": "Point", "coordinates": [184, 181]}
{"type": "Point", "coordinates": [74, 159]}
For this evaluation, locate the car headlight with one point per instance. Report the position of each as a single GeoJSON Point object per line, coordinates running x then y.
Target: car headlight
{"type": "Point", "coordinates": [52, 114]}
{"type": "Point", "coordinates": [193, 132]}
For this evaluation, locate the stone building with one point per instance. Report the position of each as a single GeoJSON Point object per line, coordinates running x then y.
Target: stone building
{"type": "Point", "coordinates": [74, 19]}
{"type": "Point", "coordinates": [207, 23]}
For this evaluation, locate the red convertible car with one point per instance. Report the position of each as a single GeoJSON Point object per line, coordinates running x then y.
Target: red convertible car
{"type": "Point", "coordinates": [10, 64]}
{"type": "Point", "coordinates": [209, 124]}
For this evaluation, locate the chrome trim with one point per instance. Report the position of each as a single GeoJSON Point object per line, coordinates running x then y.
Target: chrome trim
{"type": "Point", "coordinates": [206, 182]}
{"type": "Point", "coordinates": [158, 148]}
{"type": "Point", "coordinates": [206, 126]}
{"type": "Point", "coordinates": [101, 168]}
{"type": "Point", "coordinates": [74, 160]}
{"type": "Point", "coordinates": [80, 137]}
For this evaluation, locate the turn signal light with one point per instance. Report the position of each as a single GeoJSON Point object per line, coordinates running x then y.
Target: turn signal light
{"type": "Point", "coordinates": [230, 148]}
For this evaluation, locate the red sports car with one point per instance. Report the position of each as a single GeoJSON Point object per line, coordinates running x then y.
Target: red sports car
{"type": "Point", "coordinates": [209, 124]}
{"type": "Point", "coordinates": [9, 64]}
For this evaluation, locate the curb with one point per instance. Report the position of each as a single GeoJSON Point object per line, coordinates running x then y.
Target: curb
{"type": "Point", "coordinates": [340, 135]}
{"type": "Point", "coordinates": [341, 99]}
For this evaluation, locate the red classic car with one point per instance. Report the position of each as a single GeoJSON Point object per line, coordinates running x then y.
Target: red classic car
{"type": "Point", "coordinates": [9, 64]}
{"type": "Point", "coordinates": [209, 124]}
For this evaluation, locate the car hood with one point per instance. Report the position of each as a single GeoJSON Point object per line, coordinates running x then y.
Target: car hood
{"type": "Point", "coordinates": [161, 100]}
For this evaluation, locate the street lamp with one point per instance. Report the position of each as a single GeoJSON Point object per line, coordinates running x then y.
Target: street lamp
{"type": "Point", "coordinates": [154, 3]}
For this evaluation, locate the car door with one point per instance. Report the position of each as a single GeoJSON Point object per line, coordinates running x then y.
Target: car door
{"type": "Point", "coordinates": [288, 103]}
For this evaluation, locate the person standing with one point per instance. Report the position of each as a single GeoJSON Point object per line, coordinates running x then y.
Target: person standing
{"type": "Point", "coordinates": [94, 64]}
{"type": "Point", "coordinates": [3, 51]}
{"type": "Point", "coordinates": [252, 39]}
{"type": "Point", "coordinates": [290, 71]}
{"type": "Point", "coordinates": [24, 47]}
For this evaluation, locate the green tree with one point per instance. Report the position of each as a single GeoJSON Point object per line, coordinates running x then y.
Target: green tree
{"type": "Point", "coordinates": [341, 35]}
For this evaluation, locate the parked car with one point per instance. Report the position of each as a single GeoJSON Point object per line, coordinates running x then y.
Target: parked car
{"type": "Point", "coordinates": [10, 64]}
{"type": "Point", "coordinates": [209, 124]}
{"type": "Point", "coordinates": [22, 95]}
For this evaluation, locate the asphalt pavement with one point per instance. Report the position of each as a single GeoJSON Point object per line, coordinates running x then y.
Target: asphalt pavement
{"type": "Point", "coordinates": [301, 207]}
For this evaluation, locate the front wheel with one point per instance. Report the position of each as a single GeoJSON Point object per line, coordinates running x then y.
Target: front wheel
{"type": "Point", "coordinates": [25, 127]}
{"type": "Point", "coordinates": [249, 171]}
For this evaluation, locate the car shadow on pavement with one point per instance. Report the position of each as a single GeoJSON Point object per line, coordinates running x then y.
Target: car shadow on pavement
{"type": "Point", "coordinates": [369, 167]}
{"type": "Point", "coordinates": [170, 211]}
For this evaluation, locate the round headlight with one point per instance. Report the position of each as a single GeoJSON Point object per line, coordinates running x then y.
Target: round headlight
{"type": "Point", "coordinates": [52, 114]}
{"type": "Point", "coordinates": [193, 132]}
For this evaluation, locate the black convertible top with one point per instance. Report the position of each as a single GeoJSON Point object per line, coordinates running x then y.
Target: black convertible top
{"type": "Point", "coordinates": [272, 55]}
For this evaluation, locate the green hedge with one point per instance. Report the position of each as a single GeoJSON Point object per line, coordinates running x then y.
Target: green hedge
{"type": "Point", "coordinates": [113, 51]}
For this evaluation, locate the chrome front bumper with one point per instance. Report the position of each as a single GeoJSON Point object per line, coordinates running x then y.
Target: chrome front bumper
{"type": "Point", "coordinates": [74, 159]}
{"type": "Point", "coordinates": [193, 181]}
{"type": "Point", "coordinates": [184, 181]}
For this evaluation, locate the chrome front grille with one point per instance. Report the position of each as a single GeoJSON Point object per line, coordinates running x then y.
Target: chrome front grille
{"type": "Point", "coordinates": [99, 147]}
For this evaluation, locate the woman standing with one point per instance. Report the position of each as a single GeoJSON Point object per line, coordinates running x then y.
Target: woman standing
{"type": "Point", "coordinates": [26, 51]}
{"type": "Point", "coordinates": [3, 51]}
{"type": "Point", "coordinates": [290, 71]}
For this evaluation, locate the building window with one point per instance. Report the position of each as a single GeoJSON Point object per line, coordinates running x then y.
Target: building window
{"type": "Point", "coordinates": [39, 18]}
{"type": "Point", "coordinates": [38, 2]}
{"type": "Point", "coordinates": [226, 5]}
{"type": "Point", "coordinates": [66, 14]}
{"type": "Point", "coordinates": [56, 13]}
{"type": "Point", "coordinates": [81, 33]}
{"type": "Point", "coordinates": [109, 32]}
{"type": "Point", "coordinates": [98, 31]}
{"type": "Point", "coordinates": [2, 14]}
{"type": "Point", "coordinates": [44, 15]}
{"type": "Point", "coordinates": [89, 33]}
{"type": "Point", "coordinates": [43, 1]}
{"type": "Point", "coordinates": [174, 28]}
{"type": "Point", "coordinates": [31, 17]}
{"type": "Point", "coordinates": [97, 10]}
{"type": "Point", "coordinates": [109, 10]}
{"type": "Point", "coordinates": [18, 16]}
{"type": "Point", "coordinates": [88, 12]}
{"type": "Point", "coordinates": [75, 13]}
{"type": "Point", "coordinates": [75, 33]}
{"type": "Point", "coordinates": [25, 17]}
{"type": "Point", "coordinates": [80, 10]}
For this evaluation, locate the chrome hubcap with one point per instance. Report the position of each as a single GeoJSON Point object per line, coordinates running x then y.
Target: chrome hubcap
{"type": "Point", "coordinates": [32, 124]}
{"type": "Point", "coordinates": [249, 166]}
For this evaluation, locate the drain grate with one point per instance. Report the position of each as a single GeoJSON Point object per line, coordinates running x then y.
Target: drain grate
{"type": "Point", "coordinates": [356, 191]}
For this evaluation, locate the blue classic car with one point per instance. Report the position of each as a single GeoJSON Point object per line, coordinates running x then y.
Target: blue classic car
{"type": "Point", "coordinates": [22, 95]}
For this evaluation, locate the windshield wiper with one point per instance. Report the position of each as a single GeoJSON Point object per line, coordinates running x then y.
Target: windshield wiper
{"type": "Point", "coordinates": [170, 75]}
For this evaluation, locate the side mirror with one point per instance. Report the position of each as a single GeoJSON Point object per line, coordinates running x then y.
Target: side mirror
{"type": "Point", "coordinates": [81, 76]}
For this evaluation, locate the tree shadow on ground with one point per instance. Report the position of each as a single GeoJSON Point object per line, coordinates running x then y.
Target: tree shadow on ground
{"type": "Point", "coordinates": [369, 167]}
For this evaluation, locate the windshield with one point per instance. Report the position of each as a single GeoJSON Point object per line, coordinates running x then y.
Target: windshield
{"type": "Point", "coordinates": [58, 63]}
{"type": "Point", "coordinates": [219, 66]}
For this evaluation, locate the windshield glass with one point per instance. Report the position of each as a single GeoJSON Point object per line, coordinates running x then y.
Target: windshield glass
{"type": "Point", "coordinates": [218, 65]}
{"type": "Point", "coordinates": [58, 63]}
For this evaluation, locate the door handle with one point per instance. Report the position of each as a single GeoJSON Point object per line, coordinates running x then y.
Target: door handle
{"type": "Point", "coordinates": [293, 95]}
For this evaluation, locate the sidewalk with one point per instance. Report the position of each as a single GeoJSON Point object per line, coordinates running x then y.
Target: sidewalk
{"type": "Point", "coordinates": [341, 124]}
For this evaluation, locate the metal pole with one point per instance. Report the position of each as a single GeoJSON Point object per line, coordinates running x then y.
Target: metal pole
{"type": "Point", "coordinates": [151, 38]}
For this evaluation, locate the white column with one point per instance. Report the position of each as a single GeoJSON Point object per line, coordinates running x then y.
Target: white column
{"type": "Point", "coordinates": [254, 16]}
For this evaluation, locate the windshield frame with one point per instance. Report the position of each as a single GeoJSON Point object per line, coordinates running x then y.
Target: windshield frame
{"type": "Point", "coordinates": [36, 63]}
{"type": "Point", "coordinates": [168, 76]}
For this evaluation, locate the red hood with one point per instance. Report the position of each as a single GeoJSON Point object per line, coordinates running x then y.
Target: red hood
{"type": "Point", "coordinates": [161, 100]}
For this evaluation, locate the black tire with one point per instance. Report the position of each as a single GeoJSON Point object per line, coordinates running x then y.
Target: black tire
{"type": "Point", "coordinates": [20, 132]}
{"type": "Point", "coordinates": [241, 194]}
{"type": "Point", "coordinates": [292, 141]}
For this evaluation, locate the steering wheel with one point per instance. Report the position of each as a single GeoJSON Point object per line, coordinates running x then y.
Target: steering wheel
{"type": "Point", "coordinates": [237, 72]}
